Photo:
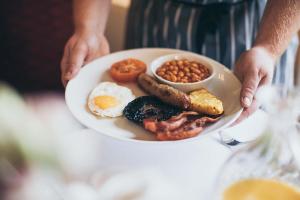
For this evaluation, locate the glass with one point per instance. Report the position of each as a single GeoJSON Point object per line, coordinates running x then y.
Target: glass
{"type": "Point", "coordinates": [273, 159]}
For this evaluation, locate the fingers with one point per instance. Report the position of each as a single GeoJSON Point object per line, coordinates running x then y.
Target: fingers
{"type": "Point", "coordinates": [63, 64]}
{"type": "Point", "coordinates": [265, 81]}
{"type": "Point", "coordinates": [247, 112]}
{"type": "Point", "coordinates": [76, 60]}
{"type": "Point", "coordinates": [90, 57]}
{"type": "Point", "coordinates": [249, 87]}
{"type": "Point", "coordinates": [72, 61]}
{"type": "Point", "coordinates": [104, 50]}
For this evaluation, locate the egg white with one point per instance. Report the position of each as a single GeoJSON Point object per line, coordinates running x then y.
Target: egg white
{"type": "Point", "coordinates": [122, 94]}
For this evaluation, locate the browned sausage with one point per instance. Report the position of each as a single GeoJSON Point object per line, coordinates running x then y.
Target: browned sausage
{"type": "Point", "coordinates": [164, 92]}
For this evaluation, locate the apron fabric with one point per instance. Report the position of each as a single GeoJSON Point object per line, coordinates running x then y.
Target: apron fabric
{"type": "Point", "coordinates": [219, 29]}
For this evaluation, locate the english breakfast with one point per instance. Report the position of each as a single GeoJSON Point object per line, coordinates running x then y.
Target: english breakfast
{"type": "Point", "coordinates": [168, 113]}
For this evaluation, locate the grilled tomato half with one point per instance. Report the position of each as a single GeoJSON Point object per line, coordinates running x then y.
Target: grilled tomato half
{"type": "Point", "coordinates": [127, 70]}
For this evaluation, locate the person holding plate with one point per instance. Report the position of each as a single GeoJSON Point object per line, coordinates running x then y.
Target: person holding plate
{"type": "Point", "coordinates": [255, 38]}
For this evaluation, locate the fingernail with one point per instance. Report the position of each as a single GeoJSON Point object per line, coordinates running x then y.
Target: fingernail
{"type": "Point", "coordinates": [247, 101]}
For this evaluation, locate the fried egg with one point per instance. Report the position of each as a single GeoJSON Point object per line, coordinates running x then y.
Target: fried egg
{"type": "Point", "coordinates": [109, 99]}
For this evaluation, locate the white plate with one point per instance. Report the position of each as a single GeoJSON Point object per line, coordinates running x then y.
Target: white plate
{"type": "Point", "coordinates": [226, 86]}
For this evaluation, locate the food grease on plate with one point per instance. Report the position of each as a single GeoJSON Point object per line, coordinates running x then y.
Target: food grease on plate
{"type": "Point", "coordinates": [108, 99]}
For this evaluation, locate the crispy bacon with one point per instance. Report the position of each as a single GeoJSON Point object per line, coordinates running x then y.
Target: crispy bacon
{"type": "Point", "coordinates": [150, 125]}
{"type": "Point", "coordinates": [168, 125]}
{"type": "Point", "coordinates": [184, 125]}
{"type": "Point", "coordinates": [183, 114]}
{"type": "Point", "coordinates": [187, 130]}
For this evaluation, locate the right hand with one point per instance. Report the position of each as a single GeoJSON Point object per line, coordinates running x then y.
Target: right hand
{"type": "Point", "coordinates": [254, 68]}
{"type": "Point", "coordinates": [80, 49]}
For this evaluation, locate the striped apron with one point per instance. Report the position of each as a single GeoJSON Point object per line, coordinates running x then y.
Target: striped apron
{"type": "Point", "coordinates": [219, 29]}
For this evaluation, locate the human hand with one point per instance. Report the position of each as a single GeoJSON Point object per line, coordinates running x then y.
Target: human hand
{"type": "Point", "coordinates": [254, 68]}
{"type": "Point", "coordinates": [80, 49]}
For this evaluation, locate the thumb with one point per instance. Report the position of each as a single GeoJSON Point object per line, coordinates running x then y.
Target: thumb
{"type": "Point", "coordinates": [249, 87]}
{"type": "Point", "coordinates": [76, 60]}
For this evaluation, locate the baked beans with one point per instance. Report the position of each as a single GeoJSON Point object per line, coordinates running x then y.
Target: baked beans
{"type": "Point", "coordinates": [183, 71]}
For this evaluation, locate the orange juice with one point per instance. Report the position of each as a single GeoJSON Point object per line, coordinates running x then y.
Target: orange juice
{"type": "Point", "coordinates": [261, 189]}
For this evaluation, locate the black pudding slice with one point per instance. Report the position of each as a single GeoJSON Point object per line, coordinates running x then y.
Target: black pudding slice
{"type": "Point", "coordinates": [146, 107]}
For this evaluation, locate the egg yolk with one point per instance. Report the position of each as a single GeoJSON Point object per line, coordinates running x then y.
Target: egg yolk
{"type": "Point", "coordinates": [105, 102]}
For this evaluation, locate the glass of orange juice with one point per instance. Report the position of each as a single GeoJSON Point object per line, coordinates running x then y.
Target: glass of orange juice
{"type": "Point", "coordinates": [269, 168]}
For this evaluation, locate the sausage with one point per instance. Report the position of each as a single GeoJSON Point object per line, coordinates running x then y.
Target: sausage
{"type": "Point", "coordinates": [164, 92]}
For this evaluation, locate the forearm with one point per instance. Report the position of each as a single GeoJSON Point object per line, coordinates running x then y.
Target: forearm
{"type": "Point", "coordinates": [279, 24]}
{"type": "Point", "coordinates": [91, 15]}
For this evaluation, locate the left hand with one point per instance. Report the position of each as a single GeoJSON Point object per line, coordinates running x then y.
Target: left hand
{"type": "Point", "coordinates": [81, 48]}
{"type": "Point", "coordinates": [254, 68]}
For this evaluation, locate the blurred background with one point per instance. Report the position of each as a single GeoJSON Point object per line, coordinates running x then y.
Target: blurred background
{"type": "Point", "coordinates": [33, 34]}
{"type": "Point", "coordinates": [32, 37]}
